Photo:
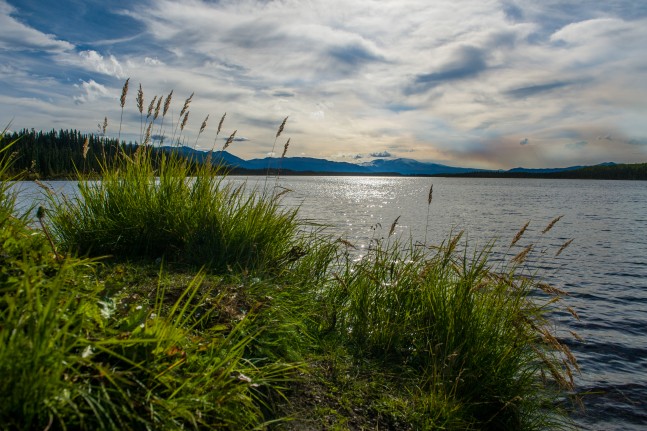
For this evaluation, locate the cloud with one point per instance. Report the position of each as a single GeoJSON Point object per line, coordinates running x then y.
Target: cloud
{"type": "Point", "coordinates": [106, 65]}
{"type": "Point", "coordinates": [524, 141]}
{"type": "Point", "coordinates": [16, 36]}
{"type": "Point", "coordinates": [577, 145]}
{"type": "Point", "coordinates": [236, 139]}
{"type": "Point", "coordinates": [641, 142]}
{"type": "Point", "coordinates": [318, 115]}
{"type": "Point", "coordinates": [381, 154]}
{"type": "Point", "coordinates": [353, 55]}
{"type": "Point", "coordinates": [91, 91]}
{"type": "Point", "coordinates": [584, 31]}
{"type": "Point", "coordinates": [153, 61]}
{"type": "Point", "coordinates": [534, 90]}
{"type": "Point", "coordinates": [280, 93]}
{"type": "Point", "coordinates": [468, 62]}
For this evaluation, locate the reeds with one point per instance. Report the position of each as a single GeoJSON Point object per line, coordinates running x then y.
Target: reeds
{"type": "Point", "coordinates": [519, 234]}
{"type": "Point", "coordinates": [430, 196]}
{"type": "Point", "coordinates": [182, 119]}
{"type": "Point", "coordinates": [269, 162]}
{"type": "Point", "coordinates": [122, 102]}
{"type": "Point", "coordinates": [472, 333]}
{"type": "Point", "coordinates": [140, 108]}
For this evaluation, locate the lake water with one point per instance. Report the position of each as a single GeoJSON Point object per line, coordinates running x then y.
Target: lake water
{"type": "Point", "coordinates": [604, 270]}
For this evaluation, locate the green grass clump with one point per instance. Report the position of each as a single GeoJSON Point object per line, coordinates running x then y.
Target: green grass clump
{"type": "Point", "coordinates": [73, 355]}
{"type": "Point", "coordinates": [170, 207]}
{"type": "Point", "coordinates": [475, 337]}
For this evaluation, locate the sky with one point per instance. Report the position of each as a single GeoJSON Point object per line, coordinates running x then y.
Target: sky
{"type": "Point", "coordinates": [472, 83]}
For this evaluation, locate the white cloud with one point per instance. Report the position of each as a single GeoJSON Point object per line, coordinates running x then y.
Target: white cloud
{"type": "Point", "coordinates": [91, 92]}
{"type": "Point", "coordinates": [106, 65]}
{"type": "Point", "coordinates": [153, 61]}
{"type": "Point", "coordinates": [16, 36]}
{"type": "Point", "coordinates": [583, 32]}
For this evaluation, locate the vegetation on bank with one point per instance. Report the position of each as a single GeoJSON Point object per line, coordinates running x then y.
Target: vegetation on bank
{"type": "Point", "coordinates": [621, 171]}
{"type": "Point", "coordinates": [162, 297]}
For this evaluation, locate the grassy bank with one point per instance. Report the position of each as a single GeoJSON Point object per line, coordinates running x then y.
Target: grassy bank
{"type": "Point", "coordinates": [165, 298]}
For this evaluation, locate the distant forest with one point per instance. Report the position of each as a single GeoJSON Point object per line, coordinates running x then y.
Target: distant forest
{"type": "Point", "coordinates": [634, 171]}
{"type": "Point", "coordinates": [58, 154]}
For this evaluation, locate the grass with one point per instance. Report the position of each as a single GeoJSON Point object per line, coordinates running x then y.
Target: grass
{"type": "Point", "coordinates": [470, 334]}
{"type": "Point", "coordinates": [167, 298]}
{"type": "Point", "coordinates": [146, 208]}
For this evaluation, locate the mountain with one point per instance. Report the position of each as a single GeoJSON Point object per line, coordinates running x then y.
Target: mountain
{"type": "Point", "coordinates": [306, 164]}
{"type": "Point", "coordinates": [401, 166]}
{"type": "Point", "coordinates": [200, 155]}
{"type": "Point", "coordinates": [412, 167]}
{"type": "Point", "coordinates": [377, 166]}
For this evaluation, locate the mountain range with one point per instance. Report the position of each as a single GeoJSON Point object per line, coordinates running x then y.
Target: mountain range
{"type": "Point", "coordinates": [380, 166]}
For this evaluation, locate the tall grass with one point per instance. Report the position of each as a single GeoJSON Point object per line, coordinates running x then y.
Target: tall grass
{"type": "Point", "coordinates": [7, 197]}
{"type": "Point", "coordinates": [473, 334]}
{"type": "Point", "coordinates": [69, 360]}
{"type": "Point", "coordinates": [76, 355]}
{"type": "Point", "coordinates": [175, 208]}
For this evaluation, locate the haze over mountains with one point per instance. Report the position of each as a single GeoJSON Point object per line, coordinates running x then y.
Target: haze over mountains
{"type": "Point", "coordinates": [400, 166]}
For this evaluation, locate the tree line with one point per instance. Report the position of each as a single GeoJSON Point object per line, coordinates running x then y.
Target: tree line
{"type": "Point", "coordinates": [61, 153]}
{"type": "Point", "coordinates": [633, 171]}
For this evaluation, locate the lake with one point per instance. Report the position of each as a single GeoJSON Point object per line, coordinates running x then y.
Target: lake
{"type": "Point", "coordinates": [604, 270]}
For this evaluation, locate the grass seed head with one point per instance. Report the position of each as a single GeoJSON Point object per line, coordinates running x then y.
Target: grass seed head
{"type": "Point", "coordinates": [204, 125]}
{"type": "Point", "coordinates": [393, 225]}
{"type": "Point", "coordinates": [147, 138]}
{"type": "Point", "coordinates": [222, 120]}
{"type": "Point", "coordinates": [140, 99]}
{"type": "Point", "coordinates": [124, 92]}
{"type": "Point", "coordinates": [519, 234]}
{"type": "Point", "coordinates": [184, 120]}
{"type": "Point", "coordinates": [563, 247]}
{"type": "Point", "coordinates": [431, 193]}
{"type": "Point", "coordinates": [230, 139]}
{"type": "Point", "coordinates": [285, 148]}
{"type": "Point", "coordinates": [281, 127]}
{"type": "Point", "coordinates": [187, 102]}
{"type": "Point", "coordinates": [551, 224]}
{"type": "Point", "coordinates": [522, 255]}
{"type": "Point", "coordinates": [150, 107]}
{"type": "Point", "coordinates": [167, 103]}
{"type": "Point", "coordinates": [86, 147]}
{"type": "Point", "coordinates": [157, 108]}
